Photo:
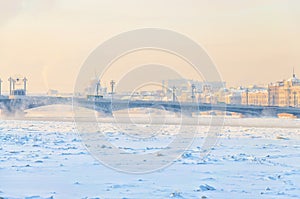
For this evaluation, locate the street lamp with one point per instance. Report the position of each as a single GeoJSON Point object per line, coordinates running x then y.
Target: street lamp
{"type": "Point", "coordinates": [174, 93]}
{"type": "Point", "coordinates": [193, 92]}
{"type": "Point", "coordinates": [295, 97]}
{"type": "Point", "coordinates": [25, 84]}
{"type": "Point", "coordinates": [247, 96]}
{"type": "Point", "coordinates": [98, 87]}
{"type": "Point", "coordinates": [11, 85]}
{"type": "Point", "coordinates": [112, 85]}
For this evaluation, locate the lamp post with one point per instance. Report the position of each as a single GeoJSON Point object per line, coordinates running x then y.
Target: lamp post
{"type": "Point", "coordinates": [97, 87]}
{"type": "Point", "coordinates": [112, 85]}
{"type": "Point", "coordinates": [295, 97]}
{"type": "Point", "coordinates": [288, 101]}
{"type": "Point", "coordinates": [11, 85]}
{"type": "Point", "coordinates": [269, 96]}
{"type": "Point", "coordinates": [193, 92]}
{"type": "Point", "coordinates": [163, 87]}
{"type": "Point", "coordinates": [174, 93]}
{"type": "Point", "coordinates": [25, 85]}
{"type": "Point", "coordinates": [247, 96]}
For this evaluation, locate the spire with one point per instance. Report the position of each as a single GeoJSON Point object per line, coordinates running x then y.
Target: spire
{"type": "Point", "coordinates": [294, 72]}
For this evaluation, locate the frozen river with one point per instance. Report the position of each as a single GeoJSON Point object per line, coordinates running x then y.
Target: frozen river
{"type": "Point", "coordinates": [46, 159]}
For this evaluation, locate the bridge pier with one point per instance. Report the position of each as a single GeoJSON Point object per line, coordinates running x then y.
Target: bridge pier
{"type": "Point", "coordinates": [12, 113]}
{"type": "Point", "coordinates": [187, 113]}
{"type": "Point", "coordinates": [269, 112]}
{"type": "Point", "coordinates": [297, 115]}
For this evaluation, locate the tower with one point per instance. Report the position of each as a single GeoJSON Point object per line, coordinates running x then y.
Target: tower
{"type": "Point", "coordinates": [17, 85]}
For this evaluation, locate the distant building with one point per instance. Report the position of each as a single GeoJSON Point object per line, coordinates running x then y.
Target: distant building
{"type": "Point", "coordinates": [52, 92]}
{"type": "Point", "coordinates": [255, 96]}
{"type": "Point", "coordinates": [227, 96]}
{"type": "Point", "coordinates": [281, 93]}
{"type": "Point", "coordinates": [285, 93]}
{"type": "Point", "coordinates": [235, 97]}
{"type": "Point", "coordinates": [203, 91]}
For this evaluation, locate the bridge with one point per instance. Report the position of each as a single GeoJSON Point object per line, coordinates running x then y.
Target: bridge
{"type": "Point", "coordinates": [12, 106]}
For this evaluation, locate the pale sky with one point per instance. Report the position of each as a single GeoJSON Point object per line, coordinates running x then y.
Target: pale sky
{"type": "Point", "coordinates": [250, 41]}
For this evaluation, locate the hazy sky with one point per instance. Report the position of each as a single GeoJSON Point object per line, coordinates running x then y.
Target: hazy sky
{"type": "Point", "coordinates": [251, 41]}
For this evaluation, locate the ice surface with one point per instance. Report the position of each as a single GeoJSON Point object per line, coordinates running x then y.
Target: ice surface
{"type": "Point", "coordinates": [46, 159]}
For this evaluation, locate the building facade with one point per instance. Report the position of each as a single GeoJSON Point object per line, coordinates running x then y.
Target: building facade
{"type": "Point", "coordinates": [255, 96]}
{"type": "Point", "coordinates": [285, 93]}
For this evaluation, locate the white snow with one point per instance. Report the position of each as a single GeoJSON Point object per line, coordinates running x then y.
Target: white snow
{"type": "Point", "coordinates": [46, 159]}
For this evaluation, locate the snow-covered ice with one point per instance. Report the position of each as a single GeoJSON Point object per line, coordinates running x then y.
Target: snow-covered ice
{"type": "Point", "coordinates": [46, 159]}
